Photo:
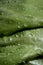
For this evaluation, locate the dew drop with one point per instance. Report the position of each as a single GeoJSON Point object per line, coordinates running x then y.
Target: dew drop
{"type": "Point", "coordinates": [8, 53]}
{"type": "Point", "coordinates": [29, 35]}
{"type": "Point", "coordinates": [10, 39]}
{"type": "Point", "coordinates": [25, 25]}
{"type": "Point", "coordinates": [18, 26]}
{"type": "Point", "coordinates": [16, 35]}
{"type": "Point", "coordinates": [36, 48]}
{"type": "Point", "coordinates": [18, 44]}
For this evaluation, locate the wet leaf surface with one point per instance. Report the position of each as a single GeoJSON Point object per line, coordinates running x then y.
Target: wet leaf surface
{"type": "Point", "coordinates": [21, 32]}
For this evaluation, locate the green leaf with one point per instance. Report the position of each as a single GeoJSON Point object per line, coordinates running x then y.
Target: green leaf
{"type": "Point", "coordinates": [15, 16]}
{"type": "Point", "coordinates": [20, 47]}
{"type": "Point", "coordinates": [20, 14]}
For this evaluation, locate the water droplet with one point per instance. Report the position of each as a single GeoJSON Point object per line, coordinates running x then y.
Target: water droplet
{"type": "Point", "coordinates": [25, 25]}
{"type": "Point", "coordinates": [16, 35]}
{"type": "Point", "coordinates": [29, 35]}
{"type": "Point", "coordinates": [10, 39]}
{"type": "Point", "coordinates": [36, 48]}
{"type": "Point", "coordinates": [18, 26]}
{"type": "Point", "coordinates": [8, 53]}
{"type": "Point", "coordinates": [18, 44]}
